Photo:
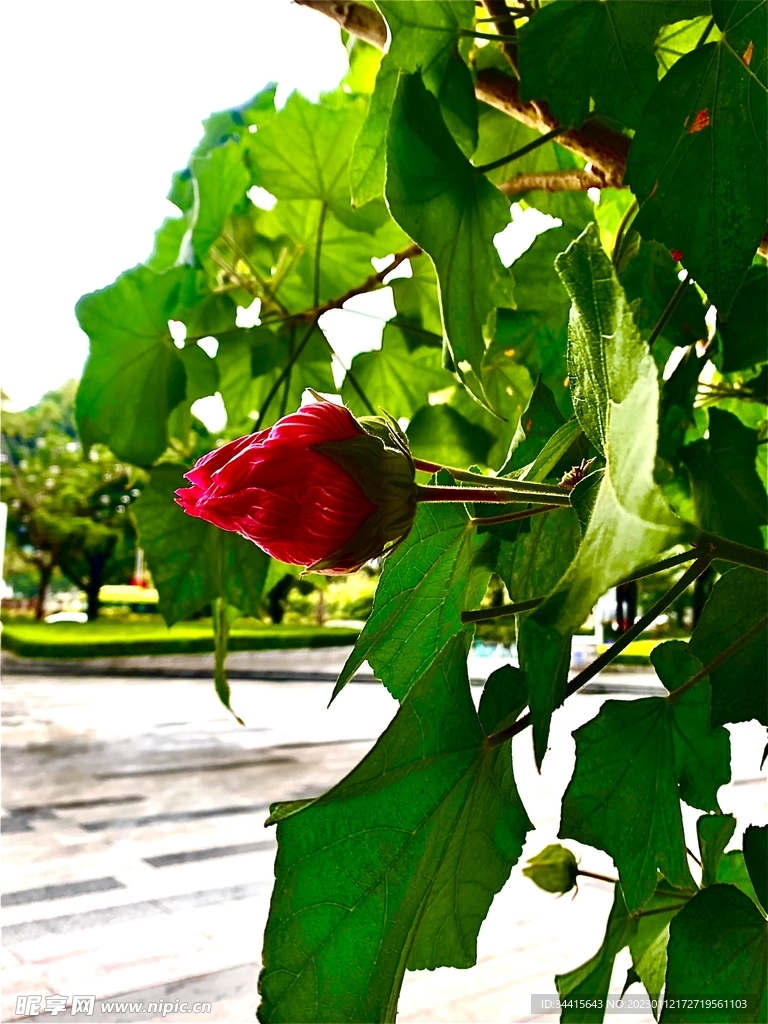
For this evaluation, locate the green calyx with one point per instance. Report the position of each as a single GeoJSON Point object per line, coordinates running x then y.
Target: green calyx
{"type": "Point", "coordinates": [380, 462]}
{"type": "Point", "coordinates": [554, 869]}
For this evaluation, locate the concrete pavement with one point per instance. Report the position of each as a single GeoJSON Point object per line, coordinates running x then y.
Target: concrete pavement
{"type": "Point", "coordinates": [136, 864]}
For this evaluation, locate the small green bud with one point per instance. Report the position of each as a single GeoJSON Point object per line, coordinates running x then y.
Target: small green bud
{"type": "Point", "coordinates": [554, 869]}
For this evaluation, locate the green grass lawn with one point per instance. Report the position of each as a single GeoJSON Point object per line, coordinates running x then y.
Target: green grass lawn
{"type": "Point", "coordinates": [114, 638]}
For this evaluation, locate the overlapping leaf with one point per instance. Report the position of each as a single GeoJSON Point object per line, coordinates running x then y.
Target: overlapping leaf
{"type": "Point", "coordinates": [634, 762]}
{"type": "Point", "coordinates": [717, 950]}
{"type": "Point", "coordinates": [397, 865]}
{"type": "Point", "coordinates": [698, 160]}
{"type": "Point", "coordinates": [441, 569]}
{"type": "Point", "coordinates": [615, 395]}
{"type": "Point", "coordinates": [739, 600]}
{"type": "Point", "coordinates": [743, 333]}
{"type": "Point", "coordinates": [577, 50]}
{"type": "Point", "coordinates": [453, 213]}
{"type": "Point", "coordinates": [134, 376]}
{"type": "Point", "coordinates": [425, 37]}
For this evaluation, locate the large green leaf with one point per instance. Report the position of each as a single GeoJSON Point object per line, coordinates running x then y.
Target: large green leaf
{"type": "Point", "coordinates": [396, 378]}
{"type": "Point", "coordinates": [744, 332]}
{"type": "Point", "coordinates": [728, 496]}
{"type": "Point", "coordinates": [424, 37]}
{"type": "Point", "coordinates": [616, 396]}
{"type": "Point", "coordinates": [221, 181]}
{"type": "Point", "coordinates": [634, 762]}
{"type": "Point", "coordinates": [698, 160]}
{"type": "Point", "coordinates": [441, 569]}
{"type": "Point", "coordinates": [192, 562]}
{"type": "Point", "coordinates": [303, 151]}
{"type": "Point", "coordinates": [453, 213]}
{"type": "Point", "coordinates": [577, 50]}
{"type": "Point", "coordinates": [134, 376]}
{"type": "Point", "coordinates": [397, 865]}
{"type": "Point", "coordinates": [718, 951]}
{"type": "Point", "coordinates": [740, 686]}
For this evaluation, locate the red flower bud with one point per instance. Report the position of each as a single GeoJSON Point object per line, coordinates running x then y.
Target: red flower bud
{"type": "Point", "coordinates": [319, 488]}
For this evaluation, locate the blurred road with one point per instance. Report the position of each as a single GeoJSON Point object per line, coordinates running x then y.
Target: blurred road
{"type": "Point", "coordinates": [136, 865]}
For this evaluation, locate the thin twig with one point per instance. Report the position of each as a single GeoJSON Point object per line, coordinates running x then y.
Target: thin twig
{"type": "Point", "coordinates": [529, 148]}
{"type": "Point", "coordinates": [669, 309]}
{"type": "Point", "coordinates": [613, 651]}
{"type": "Point", "coordinates": [286, 371]}
{"type": "Point", "coordinates": [512, 516]}
{"type": "Point", "coordinates": [720, 659]}
{"type": "Point", "coordinates": [505, 611]}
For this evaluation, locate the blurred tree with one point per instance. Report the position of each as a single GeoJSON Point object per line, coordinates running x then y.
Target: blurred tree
{"type": "Point", "coordinates": [64, 509]}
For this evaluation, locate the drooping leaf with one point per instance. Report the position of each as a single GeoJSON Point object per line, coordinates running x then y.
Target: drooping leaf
{"type": "Point", "coordinates": [634, 762]}
{"type": "Point", "coordinates": [577, 50]}
{"type": "Point", "coordinates": [395, 866]}
{"type": "Point", "coordinates": [168, 239]}
{"type": "Point", "coordinates": [532, 565]}
{"type": "Point", "coordinates": [425, 37]}
{"type": "Point", "coordinates": [202, 379]}
{"type": "Point", "coordinates": [714, 832]}
{"type": "Point", "coordinates": [452, 212]}
{"type": "Point", "coordinates": [732, 870]}
{"type": "Point", "coordinates": [717, 950]}
{"type": "Point", "coordinates": [441, 569]}
{"type": "Point", "coordinates": [537, 425]}
{"type": "Point", "coordinates": [698, 160]}
{"type": "Point", "coordinates": [740, 686]}
{"type": "Point", "coordinates": [418, 306]}
{"type": "Point", "coordinates": [728, 496]}
{"type": "Point", "coordinates": [589, 983]}
{"type": "Point", "coordinates": [756, 859]}
{"type": "Point", "coordinates": [744, 332]}
{"type": "Point", "coordinates": [221, 181]}
{"type": "Point", "coordinates": [192, 562]}
{"type": "Point", "coordinates": [615, 395]}
{"type": "Point", "coordinates": [396, 378]}
{"type": "Point", "coordinates": [134, 376]}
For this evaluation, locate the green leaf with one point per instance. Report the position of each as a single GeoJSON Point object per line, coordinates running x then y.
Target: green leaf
{"type": "Point", "coordinates": [616, 396]}
{"type": "Point", "coordinates": [441, 569]}
{"type": "Point", "coordinates": [303, 151]}
{"type": "Point", "coordinates": [192, 562]}
{"type": "Point", "coordinates": [221, 181]}
{"type": "Point", "coordinates": [728, 496]}
{"type": "Point", "coordinates": [202, 379]}
{"type": "Point", "coordinates": [698, 160]}
{"type": "Point", "coordinates": [717, 949]}
{"type": "Point", "coordinates": [418, 305]}
{"type": "Point", "coordinates": [740, 686]}
{"type": "Point", "coordinates": [577, 50]}
{"type": "Point", "coordinates": [134, 375]}
{"type": "Point", "coordinates": [168, 239]}
{"type": "Point", "coordinates": [453, 213]}
{"type": "Point", "coordinates": [743, 333]}
{"type": "Point", "coordinates": [224, 125]}
{"type": "Point", "coordinates": [439, 433]}
{"type": "Point", "coordinates": [533, 564]}
{"type": "Point", "coordinates": [715, 832]}
{"type": "Point", "coordinates": [504, 696]}
{"type": "Point", "coordinates": [396, 378]}
{"type": "Point", "coordinates": [397, 865]}
{"type": "Point", "coordinates": [634, 762]}
{"type": "Point", "coordinates": [756, 859]}
{"type": "Point", "coordinates": [732, 870]}
{"type": "Point", "coordinates": [591, 981]}
{"type": "Point", "coordinates": [424, 37]}
{"type": "Point", "coordinates": [545, 657]}
{"type": "Point", "coordinates": [537, 425]}
{"type": "Point", "coordinates": [648, 274]}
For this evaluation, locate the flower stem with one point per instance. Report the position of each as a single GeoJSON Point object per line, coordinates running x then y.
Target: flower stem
{"type": "Point", "coordinates": [516, 154]}
{"type": "Point", "coordinates": [698, 567]}
{"type": "Point", "coordinates": [669, 309]}
{"type": "Point", "coordinates": [506, 496]}
{"type": "Point", "coordinates": [600, 878]}
{"type": "Point", "coordinates": [487, 481]}
{"type": "Point", "coordinates": [526, 514]}
{"type": "Point", "coordinates": [483, 614]}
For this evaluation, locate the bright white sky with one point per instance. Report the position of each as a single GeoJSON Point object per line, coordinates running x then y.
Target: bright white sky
{"type": "Point", "coordinates": [104, 100]}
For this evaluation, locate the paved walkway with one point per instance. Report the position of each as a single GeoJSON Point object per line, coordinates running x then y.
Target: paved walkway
{"type": "Point", "coordinates": [136, 865]}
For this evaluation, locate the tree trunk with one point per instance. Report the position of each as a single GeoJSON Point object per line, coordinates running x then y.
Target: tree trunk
{"type": "Point", "coordinates": [46, 571]}
{"type": "Point", "coordinates": [96, 564]}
